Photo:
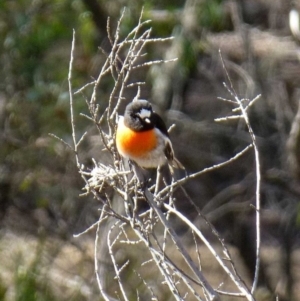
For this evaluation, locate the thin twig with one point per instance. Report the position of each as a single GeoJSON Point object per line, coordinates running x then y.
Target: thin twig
{"type": "Point", "coordinates": [61, 140]}
{"type": "Point", "coordinates": [90, 227]}
{"type": "Point", "coordinates": [71, 98]}
{"type": "Point", "coordinates": [205, 284]}
{"type": "Point", "coordinates": [97, 237]}
{"type": "Point", "coordinates": [232, 91]}
{"type": "Point", "coordinates": [111, 253]}
{"type": "Point", "coordinates": [239, 283]}
{"type": "Point", "coordinates": [180, 182]}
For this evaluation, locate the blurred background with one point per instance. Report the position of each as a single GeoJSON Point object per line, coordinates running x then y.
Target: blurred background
{"type": "Point", "coordinates": [40, 207]}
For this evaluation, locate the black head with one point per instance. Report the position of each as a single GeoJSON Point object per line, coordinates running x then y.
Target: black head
{"type": "Point", "coordinates": [138, 115]}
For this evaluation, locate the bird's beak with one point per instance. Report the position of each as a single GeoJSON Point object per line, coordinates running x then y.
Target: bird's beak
{"type": "Point", "coordinates": [147, 120]}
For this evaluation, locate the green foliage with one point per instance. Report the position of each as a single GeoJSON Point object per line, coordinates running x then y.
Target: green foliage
{"type": "Point", "coordinates": [188, 58]}
{"type": "Point", "coordinates": [35, 272]}
{"type": "Point", "coordinates": [211, 15]}
{"type": "Point", "coordinates": [3, 290]}
{"type": "Point", "coordinates": [30, 283]}
{"type": "Point", "coordinates": [34, 54]}
{"type": "Point", "coordinates": [30, 288]}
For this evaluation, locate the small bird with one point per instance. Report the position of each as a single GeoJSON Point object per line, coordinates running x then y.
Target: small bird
{"type": "Point", "coordinates": [142, 137]}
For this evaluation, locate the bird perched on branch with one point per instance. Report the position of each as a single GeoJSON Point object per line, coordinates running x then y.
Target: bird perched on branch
{"type": "Point", "coordinates": [142, 137]}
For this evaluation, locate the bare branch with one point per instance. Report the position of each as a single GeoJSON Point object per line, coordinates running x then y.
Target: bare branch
{"type": "Point", "coordinates": [257, 167]}
{"type": "Point", "coordinates": [119, 193]}
{"type": "Point", "coordinates": [240, 284]}
{"type": "Point", "coordinates": [61, 140]}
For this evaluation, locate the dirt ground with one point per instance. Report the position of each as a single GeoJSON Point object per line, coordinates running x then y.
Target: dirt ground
{"type": "Point", "coordinates": [68, 268]}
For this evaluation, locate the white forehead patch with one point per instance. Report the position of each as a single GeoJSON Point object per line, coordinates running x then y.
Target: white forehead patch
{"type": "Point", "coordinates": [144, 113]}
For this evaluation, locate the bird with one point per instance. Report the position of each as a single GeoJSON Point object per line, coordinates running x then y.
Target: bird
{"type": "Point", "coordinates": [142, 137]}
